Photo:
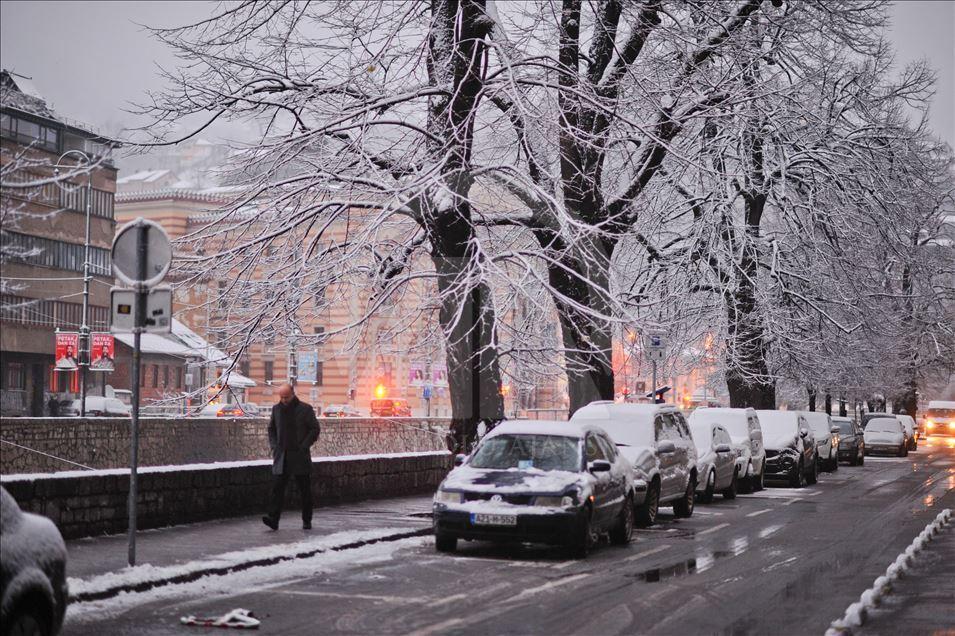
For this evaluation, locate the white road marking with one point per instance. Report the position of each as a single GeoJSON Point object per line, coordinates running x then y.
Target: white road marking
{"type": "Point", "coordinates": [759, 512]}
{"type": "Point", "coordinates": [562, 565]}
{"type": "Point", "coordinates": [708, 513]}
{"type": "Point", "coordinates": [792, 501]}
{"type": "Point", "coordinates": [368, 597]}
{"type": "Point", "coordinates": [550, 586]}
{"type": "Point", "coordinates": [449, 599]}
{"type": "Point", "coordinates": [646, 553]}
{"type": "Point", "coordinates": [713, 529]}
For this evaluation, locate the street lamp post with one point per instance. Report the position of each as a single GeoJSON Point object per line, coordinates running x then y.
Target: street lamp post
{"type": "Point", "coordinates": [84, 361]}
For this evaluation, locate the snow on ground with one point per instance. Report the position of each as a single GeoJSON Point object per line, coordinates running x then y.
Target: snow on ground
{"type": "Point", "coordinates": [209, 588]}
{"type": "Point", "coordinates": [149, 573]}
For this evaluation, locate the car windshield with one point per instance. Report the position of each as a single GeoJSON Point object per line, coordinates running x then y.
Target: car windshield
{"type": "Point", "coordinates": [734, 423]}
{"type": "Point", "coordinates": [702, 434]}
{"type": "Point", "coordinates": [777, 423]}
{"type": "Point", "coordinates": [942, 414]}
{"type": "Point", "coordinates": [884, 425]}
{"type": "Point", "coordinates": [845, 426]}
{"type": "Point", "coordinates": [818, 422]}
{"type": "Point", "coordinates": [544, 452]}
{"type": "Point", "coordinates": [629, 432]}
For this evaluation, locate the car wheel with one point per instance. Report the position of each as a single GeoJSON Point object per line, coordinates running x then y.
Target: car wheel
{"type": "Point", "coordinates": [813, 475]}
{"type": "Point", "coordinates": [862, 459]}
{"type": "Point", "coordinates": [28, 619]}
{"type": "Point", "coordinates": [915, 445]}
{"type": "Point", "coordinates": [585, 538]}
{"type": "Point", "coordinates": [834, 463]}
{"type": "Point", "coordinates": [683, 507]}
{"type": "Point", "coordinates": [905, 450]}
{"type": "Point", "coordinates": [730, 491]}
{"type": "Point", "coordinates": [757, 480]}
{"type": "Point", "coordinates": [647, 513]}
{"type": "Point", "coordinates": [706, 495]}
{"type": "Point", "coordinates": [445, 542]}
{"type": "Point", "coordinates": [622, 531]}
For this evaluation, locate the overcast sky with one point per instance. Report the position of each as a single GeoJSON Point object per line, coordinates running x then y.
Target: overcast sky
{"type": "Point", "coordinates": [90, 59]}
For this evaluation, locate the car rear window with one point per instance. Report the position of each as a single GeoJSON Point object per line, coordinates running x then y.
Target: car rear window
{"type": "Point", "coordinates": [884, 425]}
{"type": "Point", "coordinates": [845, 426]}
{"type": "Point", "coordinates": [544, 452]}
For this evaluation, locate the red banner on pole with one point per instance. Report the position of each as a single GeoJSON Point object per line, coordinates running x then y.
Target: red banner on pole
{"type": "Point", "coordinates": [102, 352]}
{"type": "Point", "coordinates": [67, 351]}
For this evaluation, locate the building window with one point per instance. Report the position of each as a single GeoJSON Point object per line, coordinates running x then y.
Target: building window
{"type": "Point", "coordinates": [155, 376]}
{"type": "Point", "coordinates": [179, 378]}
{"type": "Point", "coordinates": [245, 365]}
{"type": "Point", "coordinates": [16, 379]}
{"type": "Point", "coordinates": [142, 377]}
{"type": "Point", "coordinates": [165, 376]}
{"type": "Point", "coordinates": [35, 250]}
{"type": "Point", "coordinates": [30, 133]}
{"type": "Point", "coordinates": [269, 370]}
{"type": "Point", "coordinates": [318, 373]}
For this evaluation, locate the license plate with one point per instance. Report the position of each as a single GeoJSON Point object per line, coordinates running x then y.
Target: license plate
{"type": "Point", "coordinates": [484, 519]}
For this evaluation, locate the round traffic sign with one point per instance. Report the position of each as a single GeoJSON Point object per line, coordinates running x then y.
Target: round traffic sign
{"type": "Point", "coordinates": [158, 255]}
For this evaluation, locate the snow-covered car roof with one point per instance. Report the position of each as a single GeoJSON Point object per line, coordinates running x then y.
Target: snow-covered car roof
{"type": "Point", "coordinates": [543, 427]}
{"type": "Point", "coordinates": [612, 410]}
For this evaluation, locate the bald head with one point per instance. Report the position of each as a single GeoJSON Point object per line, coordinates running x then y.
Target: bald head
{"type": "Point", "coordinates": [286, 393]}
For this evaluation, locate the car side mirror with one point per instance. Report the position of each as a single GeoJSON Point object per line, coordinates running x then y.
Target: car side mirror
{"type": "Point", "coordinates": [834, 429]}
{"type": "Point", "coordinates": [723, 448]}
{"type": "Point", "coordinates": [666, 446]}
{"type": "Point", "coordinates": [459, 459]}
{"type": "Point", "coordinates": [599, 466]}
{"type": "Point", "coordinates": [803, 432]}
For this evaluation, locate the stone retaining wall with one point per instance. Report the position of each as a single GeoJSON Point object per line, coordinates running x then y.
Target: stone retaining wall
{"type": "Point", "coordinates": [104, 442]}
{"type": "Point", "coordinates": [88, 503]}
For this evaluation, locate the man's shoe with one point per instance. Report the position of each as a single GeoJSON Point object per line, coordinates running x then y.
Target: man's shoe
{"type": "Point", "coordinates": [306, 525]}
{"type": "Point", "coordinates": [270, 522]}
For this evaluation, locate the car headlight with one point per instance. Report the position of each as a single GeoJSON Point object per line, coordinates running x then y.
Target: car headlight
{"type": "Point", "coordinates": [445, 496]}
{"type": "Point", "coordinates": [558, 501]}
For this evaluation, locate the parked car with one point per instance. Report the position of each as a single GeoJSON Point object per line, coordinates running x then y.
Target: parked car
{"type": "Point", "coordinates": [657, 443]}
{"type": "Point", "coordinates": [97, 406]}
{"type": "Point", "coordinates": [827, 439]}
{"type": "Point", "coordinates": [744, 429]}
{"type": "Point", "coordinates": [911, 434]}
{"type": "Point", "coordinates": [33, 589]}
{"type": "Point", "coordinates": [790, 447]}
{"type": "Point", "coordinates": [389, 407]}
{"type": "Point", "coordinates": [886, 435]}
{"type": "Point", "coordinates": [250, 409]}
{"type": "Point", "coordinates": [561, 483]}
{"type": "Point", "coordinates": [851, 441]}
{"type": "Point", "coordinates": [224, 410]}
{"type": "Point", "coordinates": [940, 418]}
{"type": "Point", "coordinates": [907, 431]}
{"type": "Point", "coordinates": [341, 410]}
{"type": "Point", "coordinates": [715, 460]}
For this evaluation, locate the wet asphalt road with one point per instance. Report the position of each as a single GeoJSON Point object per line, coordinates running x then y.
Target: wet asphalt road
{"type": "Point", "coordinates": [782, 561]}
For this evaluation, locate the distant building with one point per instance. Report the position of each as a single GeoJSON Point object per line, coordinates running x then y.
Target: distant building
{"type": "Point", "coordinates": [42, 245]}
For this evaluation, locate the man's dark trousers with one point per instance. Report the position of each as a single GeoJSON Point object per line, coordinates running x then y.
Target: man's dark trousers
{"type": "Point", "coordinates": [304, 485]}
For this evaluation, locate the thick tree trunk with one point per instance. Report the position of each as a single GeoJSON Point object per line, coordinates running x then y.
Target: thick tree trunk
{"type": "Point", "coordinates": [812, 398]}
{"type": "Point", "coordinates": [828, 403]}
{"type": "Point", "coordinates": [467, 319]}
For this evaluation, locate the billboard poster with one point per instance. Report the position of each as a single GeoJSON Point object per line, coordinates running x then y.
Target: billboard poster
{"type": "Point", "coordinates": [102, 352]}
{"type": "Point", "coordinates": [439, 374]}
{"type": "Point", "coordinates": [307, 366]}
{"type": "Point", "coordinates": [67, 351]}
{"type": "Point", "coordinates": [416, 374]}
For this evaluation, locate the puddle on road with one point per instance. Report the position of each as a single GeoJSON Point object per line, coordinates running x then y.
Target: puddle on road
{"type": "Point", "coordinates": [703, 561]}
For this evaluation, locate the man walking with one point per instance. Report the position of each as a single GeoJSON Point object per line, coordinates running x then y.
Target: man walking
{"type": "Point", "coordinates": [292, 430]}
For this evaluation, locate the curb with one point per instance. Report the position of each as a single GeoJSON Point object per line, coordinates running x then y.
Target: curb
{"type": "Point", "coordinates": [188, 577]}
{"type": "Point", "coordinates": [857, 613]}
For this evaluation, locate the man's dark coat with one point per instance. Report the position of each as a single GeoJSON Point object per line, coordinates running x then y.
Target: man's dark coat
{"type": "Point", "coordinates": [292, 430]}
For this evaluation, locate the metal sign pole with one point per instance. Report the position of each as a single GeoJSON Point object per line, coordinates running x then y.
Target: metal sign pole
{"type": "Point", "coordinates": [654, 363]}
{"type": "Point", "coordinates": [138, 324]}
